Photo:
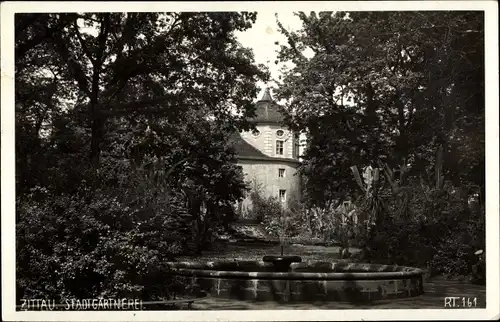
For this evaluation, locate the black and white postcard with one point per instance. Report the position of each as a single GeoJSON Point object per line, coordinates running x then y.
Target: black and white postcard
{"type": "Point", "coordinates": [250, 161]}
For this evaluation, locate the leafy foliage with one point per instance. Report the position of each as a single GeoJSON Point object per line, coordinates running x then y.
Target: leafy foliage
{"type": "Point", "coordinates": [97, 243]}
{"type": "Point", "coordinates": [441, 233]}
{"type": "Point", "coordinates": [396, 87]}
{"type": "Point", "coordinates": [401, 92]}
{"type": "Point", "coordinates": [122, 159]}
{"type": "Point", "coordinates": [278, 219]}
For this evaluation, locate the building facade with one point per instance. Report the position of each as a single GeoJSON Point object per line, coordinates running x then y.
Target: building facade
{"type": "Point", "coordinates": [269, 155]}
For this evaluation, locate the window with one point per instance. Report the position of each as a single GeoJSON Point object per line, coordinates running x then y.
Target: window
{"type": "Point", "coordinates": [281, 173]}
{"type": "Point", "coordinates": [282, 195]}
{"type": "Point", "coordinates": [347, 204]}
{"type": "Point", "coordinates": [256, 133]}
{"type": "Point", "coordinates": [279, 147]}
{"type": "Point", "coordinates": [280, 133]}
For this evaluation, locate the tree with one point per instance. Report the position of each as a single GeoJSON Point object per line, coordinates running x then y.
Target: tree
{"type": "Point", "coordinates": [145, 64]}
{"type": "Point", "coordinates": [385, 89]}
{"type": "Point", "coordinates": [102, 80]}
{"type": "Point", "coordinates": [120, 117]}
{"type": "Point", "coordinates": [402, 92]}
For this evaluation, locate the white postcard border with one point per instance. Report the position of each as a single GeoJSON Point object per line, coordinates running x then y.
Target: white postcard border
{"type": "Point", "coordinates": [8, 163]}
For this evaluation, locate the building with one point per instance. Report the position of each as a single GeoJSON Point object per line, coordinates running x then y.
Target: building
{"type": "Point", "coordinates": [269, 155]}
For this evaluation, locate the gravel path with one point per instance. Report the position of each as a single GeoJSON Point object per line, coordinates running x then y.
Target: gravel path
{"type": "Point", "coordinates": [435, 292]}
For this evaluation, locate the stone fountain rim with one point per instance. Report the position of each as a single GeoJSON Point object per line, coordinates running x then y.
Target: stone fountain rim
{"type": "Point", "coordinates": [284, 258]}
{"type": "Point", "coordinates": [209, 269]}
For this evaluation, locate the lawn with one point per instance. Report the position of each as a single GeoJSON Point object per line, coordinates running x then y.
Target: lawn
{"type": "Point", "coordinates": [255, 251]}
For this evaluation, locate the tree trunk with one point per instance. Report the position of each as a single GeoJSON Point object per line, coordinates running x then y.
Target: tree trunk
{"type": "Point", "coordinates": [439, 167]}
{"type": "Point", "coordinates": [96, 113]}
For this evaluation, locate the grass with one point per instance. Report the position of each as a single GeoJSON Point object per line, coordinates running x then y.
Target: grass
{"type": "Point", "coordinates": [252, 251]}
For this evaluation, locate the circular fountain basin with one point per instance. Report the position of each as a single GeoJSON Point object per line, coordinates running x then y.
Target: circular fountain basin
{"type": "Point", "coordinates": [303, 282]}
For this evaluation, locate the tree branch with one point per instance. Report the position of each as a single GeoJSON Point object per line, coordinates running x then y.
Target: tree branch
{"type": "Point", "coordinates": [119, 83]}
{"type": "Point", "coordinates": [126, 107]}
{"type": "Point", "coordinates": [103, 35]}
{"type": "Point", "coordinates": [74, 67]}
{"type": "Point", "coordinates": [82, 43]}
{"type": "Point", "coordinates": [127, 29]}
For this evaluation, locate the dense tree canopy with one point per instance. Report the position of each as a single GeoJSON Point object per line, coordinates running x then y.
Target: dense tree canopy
{"type": "Point", "coordinates": [122, 121]}
{"type": "Point", "coordinates": [105, 71]}
{"type": "Point", "coordinates": [404, 90]}
{"type": "Point", "coordinates": [402, 94]}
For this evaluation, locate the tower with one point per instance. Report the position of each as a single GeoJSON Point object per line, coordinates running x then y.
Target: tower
{"type": "Point", "coordinates": [269, 155]}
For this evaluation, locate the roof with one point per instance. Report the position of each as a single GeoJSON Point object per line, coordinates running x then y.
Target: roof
{"type": "Point", "coordinates": [267, 111]}
{"type": "Point", "coordinates": [246, 151]}
{"type": "Point", "coordinates": [243, 148]}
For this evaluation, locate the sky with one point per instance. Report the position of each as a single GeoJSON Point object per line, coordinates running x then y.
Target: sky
{"type": "Point", "coordinates": [262, 37]}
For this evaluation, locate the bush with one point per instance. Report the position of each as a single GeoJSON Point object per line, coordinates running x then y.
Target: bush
{"type": "Point", "coordinates": [96, 243]}
{"type": "Point", "coordinates": [437, 230]}
{"type": "Point", "coordinates": [276, 219]}
{"type": "Point", "coordinates": [304, 224]}
{"type": "Point", "coordinates": [455, 254]}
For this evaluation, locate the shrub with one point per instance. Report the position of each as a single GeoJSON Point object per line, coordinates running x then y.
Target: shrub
{"type": "Point", "coordinates": [455, 254]}
{"type": "Point", "coordinates": [437, 230]}
{"type": "Point", "coordinates": [271, 214]}
{"type": "Point", "coordinates": [276, 219]}
{"type": "Point", "coordinates": [98, 243]}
